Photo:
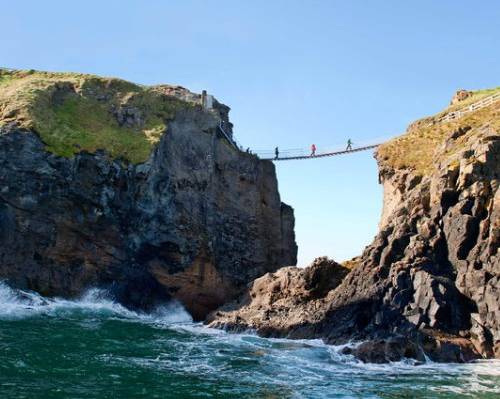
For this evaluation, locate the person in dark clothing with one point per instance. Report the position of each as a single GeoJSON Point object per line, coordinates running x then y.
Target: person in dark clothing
{"type": "Point", "coordinates": [313, 150]}
{"type": "Point", "coordinates": [276, 153]}
{"type": "Point", "coordinates": [349, 145]}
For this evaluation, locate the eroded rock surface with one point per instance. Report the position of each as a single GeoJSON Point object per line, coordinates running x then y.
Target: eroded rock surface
{"type": "Point", "coordinates": [430, 281]}
{"type": "Point", "coordinates": [281, 302]}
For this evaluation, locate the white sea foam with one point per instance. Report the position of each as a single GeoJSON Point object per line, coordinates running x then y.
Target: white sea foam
{"type": "Point", "coordinates": [313, 362]}
{"type": "Point", "coordinates": [204, 351]}
{"type": "Point", "coordinates": [16, 303]}
{"type": "Point", "coordinates": [302, 354]}
{"type": "Point", "coordinates": [169, 313]}
{"type": "Point", "coordinates": [308, 363]}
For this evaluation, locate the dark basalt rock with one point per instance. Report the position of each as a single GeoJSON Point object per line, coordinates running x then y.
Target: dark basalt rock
{"type": "Point", "coordinates": [390, 349]}
{"type": "Point", "coordinates": [415, 345]}
{"type": "Point", "coordinates": [196, 222]}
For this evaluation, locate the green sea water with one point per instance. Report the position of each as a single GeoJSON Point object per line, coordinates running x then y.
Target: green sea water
{"type": "Point", "coordinates": [94, 348]}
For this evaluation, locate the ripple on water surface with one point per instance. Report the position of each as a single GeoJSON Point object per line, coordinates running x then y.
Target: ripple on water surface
{"type": "Point", "coordinates": [95, 348]}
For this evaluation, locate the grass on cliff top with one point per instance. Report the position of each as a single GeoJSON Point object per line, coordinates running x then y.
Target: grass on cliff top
{"type": "Point", "coordinates": [422, 146]}
{"type": "Point", "coordinates": [76, 112]}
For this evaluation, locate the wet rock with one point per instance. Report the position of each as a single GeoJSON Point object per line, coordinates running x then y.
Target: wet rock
{"type": "Point", "coordinates": [445, 348]}
{"type": "Point", "coordinates": [391, 349]}
{"type": "Point", "coordinates": [418, 346]}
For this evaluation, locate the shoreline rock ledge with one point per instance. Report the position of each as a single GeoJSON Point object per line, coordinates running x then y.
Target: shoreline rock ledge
{"type": "Point", "coordinates": [104, 183]}
{"type": "Point", "coordinates": [429, 284]}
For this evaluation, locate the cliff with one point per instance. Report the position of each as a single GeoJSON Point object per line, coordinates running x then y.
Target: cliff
{"type": "Point", "coordinates": [429, 284]}
{"type": "Point", "coordinates": [132, 188]}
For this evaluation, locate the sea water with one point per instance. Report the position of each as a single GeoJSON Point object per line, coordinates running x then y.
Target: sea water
{"type": "Point", "coordinates": [95, 348]}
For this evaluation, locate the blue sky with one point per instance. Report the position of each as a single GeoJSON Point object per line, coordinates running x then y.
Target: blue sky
{"type": "Point", "coordinates": [293, 72]}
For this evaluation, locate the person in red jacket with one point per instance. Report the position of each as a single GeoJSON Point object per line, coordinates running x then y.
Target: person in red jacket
{"type": "Point", "coordinates": [313, 150]}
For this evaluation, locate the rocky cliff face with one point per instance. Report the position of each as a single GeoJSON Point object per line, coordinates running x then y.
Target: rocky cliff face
{"type": "Point", "coordinates": [429, 284]}
{"type": "Point", "coordinates": [192, 219]}
{"type": "Point", "coordinates": [285, 302]}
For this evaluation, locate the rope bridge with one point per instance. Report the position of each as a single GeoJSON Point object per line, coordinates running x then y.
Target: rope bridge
{"type": "Point", "coordinates": [290, 155]}
{"type": "Point", "coordinates": [300, 153]}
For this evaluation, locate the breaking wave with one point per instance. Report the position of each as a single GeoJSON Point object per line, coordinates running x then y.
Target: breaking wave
{"type": "Point", "coordinates": [15, 303]}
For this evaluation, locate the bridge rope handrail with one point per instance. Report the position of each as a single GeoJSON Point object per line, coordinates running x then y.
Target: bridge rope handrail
{"type": "Point", "coordinates": [324, 154]}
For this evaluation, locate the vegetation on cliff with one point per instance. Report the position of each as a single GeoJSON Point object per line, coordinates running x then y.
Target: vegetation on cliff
{"type": "Point", "coordinates": [77, 112]}
{"type": "Point", "coordinates": [424, 145]}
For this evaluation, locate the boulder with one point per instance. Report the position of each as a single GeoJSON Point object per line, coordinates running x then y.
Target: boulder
{"type": "Point", "coordinates": [460, 95]}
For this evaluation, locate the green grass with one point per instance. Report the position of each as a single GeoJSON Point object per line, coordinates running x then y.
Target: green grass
{"type": "Point", "coordinates": [421, 148]}
{"type": "Point", "coordinates": [477, 94]}
{"type": "Point", "coordinates": [6, 76]}
{"type": "Point", "coordinates": [76, 112]}
{"type": "Point", "coordinates": [83, 124]}
{"type": "Point", "coordinates": [4, 79]}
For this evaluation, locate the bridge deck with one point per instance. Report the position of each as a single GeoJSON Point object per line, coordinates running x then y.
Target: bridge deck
{"type": "Point", "coordinates": [322, 155]}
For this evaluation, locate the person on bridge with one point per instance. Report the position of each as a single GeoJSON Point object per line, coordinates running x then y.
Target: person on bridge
{"type": "Point", "coordinates": [313, 150]}
{"type": "Point", "coordinates": [349, 145]}
{"type": "Point", "coordinates": [276, 153]}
